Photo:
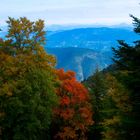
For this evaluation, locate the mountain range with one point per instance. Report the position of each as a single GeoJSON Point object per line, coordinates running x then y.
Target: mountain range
{"type": "Point", "coordinates": [85, 49]}
{"type": "Point", "coordinates": [92, 38]}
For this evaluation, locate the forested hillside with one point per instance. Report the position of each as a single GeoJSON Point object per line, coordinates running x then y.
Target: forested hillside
{"type": "Point", "coordinates": [115, 94]}
{"type": "Point", "coordinates": [39, 102]}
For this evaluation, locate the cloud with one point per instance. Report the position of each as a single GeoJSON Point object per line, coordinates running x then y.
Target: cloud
{"type": "Point", "coordinates": [72, 11]}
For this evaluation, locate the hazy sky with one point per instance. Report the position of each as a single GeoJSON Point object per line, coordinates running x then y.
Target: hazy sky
{"type": "Point", "coordinates": [107, 12]}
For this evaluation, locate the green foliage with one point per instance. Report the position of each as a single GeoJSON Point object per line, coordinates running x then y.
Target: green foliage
{"type": "Point", "coordinates": [97, 88]}
{"type": "Point", "coordinates": [136, 23]}
{"type": "Point", "coordinates": [24, 33]}
{"type": "Point", "coordinates": [111, 106]}
{"type": "Point", "coordinates": [116, 109]}
{"type": "Point", "coordinates": [27, 82]}
{"type": "Point", "coordinates": [127, 59]}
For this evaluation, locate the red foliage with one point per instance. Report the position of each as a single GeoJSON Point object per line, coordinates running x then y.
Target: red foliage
{"type": "Point", "coordinates": [74, 109]}
{"type": "Point", "coordinates": [65, 100]}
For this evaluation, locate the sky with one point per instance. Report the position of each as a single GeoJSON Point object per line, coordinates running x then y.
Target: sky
{"type": "Point", "coordinates": [63, 12]}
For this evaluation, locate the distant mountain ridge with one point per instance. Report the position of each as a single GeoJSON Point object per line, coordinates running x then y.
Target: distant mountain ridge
{"type": "Point", "coordinates": [83, 50]}
{"type": "Point", "coordinates": [83, 61]}
{"type": "Point", "coordinates": [92, 38]}
{"type": "Point", "coordinates": [56, 27]}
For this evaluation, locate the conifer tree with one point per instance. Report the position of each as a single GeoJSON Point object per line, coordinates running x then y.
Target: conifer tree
{"type": "Point", "coordinates": [97, 87]}
{"type": "Point", "coordinates": [127, 59]}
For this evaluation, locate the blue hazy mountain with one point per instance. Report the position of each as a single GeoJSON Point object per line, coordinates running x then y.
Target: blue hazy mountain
{"type": "Point", "coordinates": [81, 60]}
{"type": "Point", "coordinates": [92, 38]}
{"type": "Point", "coordinates": [83, 50]}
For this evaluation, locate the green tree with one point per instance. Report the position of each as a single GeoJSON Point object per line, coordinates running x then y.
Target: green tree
{"type": "Point", "coordinates": [126, 58]}
{"type": "Point", "coordinates": [116, 110]}
{"type": "Point", "coordinates": [25, 34]}
{"type": "Point", "coordinates": [27, 82]}
{"type": "Point", "coordinates": [97, 87]}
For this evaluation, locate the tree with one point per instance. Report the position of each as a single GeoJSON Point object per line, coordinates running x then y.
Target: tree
{"type": "Point", "coordinates": [73, 115]}
{"type": "Point", "coordinates": [97, 88]}
{"type": "Point", "coordinates": [27, 82]}
{"type": "Point", "coordinates": [116, 110]}
{"type": "Point", "coordinates": [25, 34]}
{"type": "Point", "coordinates": [126, 58]}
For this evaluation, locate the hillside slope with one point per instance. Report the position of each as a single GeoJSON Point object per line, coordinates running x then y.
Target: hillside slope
{"type": "Point", "coordinates": [82, 61]}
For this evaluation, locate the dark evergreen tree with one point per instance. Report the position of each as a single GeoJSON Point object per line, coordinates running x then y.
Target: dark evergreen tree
{"type": "Point", "coordinates": [97, 87]}
{"type": "Point", "coordinates": [127, 60]}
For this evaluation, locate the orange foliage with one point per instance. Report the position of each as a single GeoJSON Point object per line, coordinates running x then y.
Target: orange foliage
{"type": "Point", "coordinates": [74, 109]}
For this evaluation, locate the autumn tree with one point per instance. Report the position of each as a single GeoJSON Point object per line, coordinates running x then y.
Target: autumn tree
{"type": "Point", "coordinates": [27, 82]}
{"type": "Point", "coordinates": [73, 115]}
